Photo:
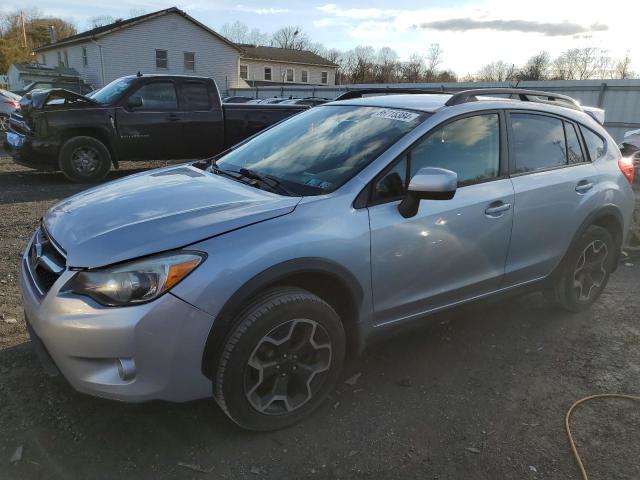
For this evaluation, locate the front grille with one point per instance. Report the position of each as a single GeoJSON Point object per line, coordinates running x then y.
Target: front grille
{"type": "Point", "coordinates": [18, 124]}
{"type": "Point", "coordinates": [45, 261]}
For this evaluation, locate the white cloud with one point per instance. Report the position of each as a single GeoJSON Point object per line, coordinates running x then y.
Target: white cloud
{"type": "Point", "coordinates": [261, 11]}
{"type": "Point", "coordinates": [358, 13]}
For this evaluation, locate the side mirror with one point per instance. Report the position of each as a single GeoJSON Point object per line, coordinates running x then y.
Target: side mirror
{"type": "Point", "coordinates": [429, 183]}
{"type": "Point", "coordinates": [134, 102]}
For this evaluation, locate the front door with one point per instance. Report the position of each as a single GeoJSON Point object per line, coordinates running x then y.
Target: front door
{"type": "Point", "coordinates": [150, 129]}
{"type": "Point", "coordinates": [452, 250]}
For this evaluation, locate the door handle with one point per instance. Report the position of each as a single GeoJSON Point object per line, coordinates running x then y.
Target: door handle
{"type": "Point", "coordinates": [173, 118]}
{"type": "Point", "coordinates": [584, 186]}
{"type": "Point", "coordinates": [496, 209]}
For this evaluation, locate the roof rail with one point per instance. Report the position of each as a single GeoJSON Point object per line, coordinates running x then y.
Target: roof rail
{"type": "Point", "coordinates": [471, 96]}
{"type": "Point", "coordinates": [359, 93]}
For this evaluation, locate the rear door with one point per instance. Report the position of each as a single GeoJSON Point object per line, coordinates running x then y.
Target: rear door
{"type": "Point", "coordinates": [556, 187]}
{"type": "Point", "coordinates": [152, 130]}
{"type": "Point", "coordinates": [202, 120]}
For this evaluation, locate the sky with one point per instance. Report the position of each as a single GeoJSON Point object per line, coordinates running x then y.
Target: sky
{"type": "Point", "coordinates": [471, 33]}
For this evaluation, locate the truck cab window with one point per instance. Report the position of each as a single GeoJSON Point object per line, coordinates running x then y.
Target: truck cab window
{"type": "Point", "coordinates": [157, 96]}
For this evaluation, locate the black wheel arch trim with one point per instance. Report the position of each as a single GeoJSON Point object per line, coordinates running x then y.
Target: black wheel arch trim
{"type": "Point", "coordinates": [222, 326]}
{"type": "Point", "coordinates": [592, 219]}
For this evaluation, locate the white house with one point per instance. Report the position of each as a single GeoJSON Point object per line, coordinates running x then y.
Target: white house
{"type": "Point", "coordinates": [170, 41]}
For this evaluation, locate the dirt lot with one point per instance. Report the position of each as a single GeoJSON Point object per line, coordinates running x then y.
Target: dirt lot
{"type": "Point", "coordinates": [477, 393]}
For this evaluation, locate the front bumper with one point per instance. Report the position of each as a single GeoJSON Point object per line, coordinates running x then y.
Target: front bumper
{"type": "Point", "coordinates": [32, 152]}
{"type": "Point", "coordinates": [160, 344]}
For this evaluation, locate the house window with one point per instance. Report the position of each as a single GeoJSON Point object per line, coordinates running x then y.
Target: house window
{"type": "Point", "coordinates": [189, 62]}
{"type": "Point", "coordinates": [267, 73]}
{"type": "Point", "coordinates": [85, 59]}
{"type": "Point", "coordinates": [290, 74]}
{"type": "Point", "coordinates": [244, 72]}
{"type": "Point", "coordinates": [59, 59]}
{"type": "Point", "coordinates": [304, 76]}
{"type": "Point", "coordinates": [43, 59]}
{"type": "Point", "coordinates": [324, 77]}
{"type": "Point", "coordinates": [162, 61]}
{"type": "Point", "coordinates": [66, 58]}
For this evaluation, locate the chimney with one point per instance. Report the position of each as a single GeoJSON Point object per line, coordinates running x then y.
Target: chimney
{"type": "Point", "coordinates": [53, 35]}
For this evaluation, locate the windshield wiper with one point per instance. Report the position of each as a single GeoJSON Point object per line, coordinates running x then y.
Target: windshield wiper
{"type": "Point", "coordinates": [268, 180]}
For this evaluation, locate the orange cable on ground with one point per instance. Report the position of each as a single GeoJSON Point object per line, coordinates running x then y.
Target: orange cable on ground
{"type": "Point", "coordinates": [568, 428]}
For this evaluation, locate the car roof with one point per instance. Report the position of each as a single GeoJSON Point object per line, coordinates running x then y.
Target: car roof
{"type": "Point", "coordinates": [434, 102]}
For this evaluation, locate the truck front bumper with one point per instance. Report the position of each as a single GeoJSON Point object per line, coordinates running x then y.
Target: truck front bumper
{"type": "Point", "coordinates": [31, 152]}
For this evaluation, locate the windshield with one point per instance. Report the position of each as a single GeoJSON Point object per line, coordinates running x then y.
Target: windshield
{"type": "Point", "coordinates": [110, 92]}
{"type": "Point", "coordinates": [317, 151]}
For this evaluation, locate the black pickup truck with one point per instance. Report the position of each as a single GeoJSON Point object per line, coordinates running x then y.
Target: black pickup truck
{"type": "Point", "coordinates": [140, 117]}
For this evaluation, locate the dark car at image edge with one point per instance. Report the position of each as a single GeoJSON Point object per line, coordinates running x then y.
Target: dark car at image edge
{"type": "Point", "coordinates": [139, 117]}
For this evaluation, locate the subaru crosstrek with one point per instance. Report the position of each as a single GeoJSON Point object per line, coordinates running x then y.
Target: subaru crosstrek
{"type": "Point", "coordinates": [252, 275]}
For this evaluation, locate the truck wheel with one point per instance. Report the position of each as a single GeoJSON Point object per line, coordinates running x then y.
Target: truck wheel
{"type": "Point", "coordinates": [585, 271]}
{"type": "Point", "coordinates": [84, 160]}
{"type": "Point", "coordinates": [281, 361]}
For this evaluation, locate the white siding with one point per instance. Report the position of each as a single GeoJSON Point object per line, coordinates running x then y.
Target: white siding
{"type": "Point", "coordinates": [132, 50]}
{"type": "Point", "coordinates": [256, 72]}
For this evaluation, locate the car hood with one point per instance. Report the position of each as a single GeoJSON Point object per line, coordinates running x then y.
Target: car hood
{"type": "Point", "coordinates": [156, 211]}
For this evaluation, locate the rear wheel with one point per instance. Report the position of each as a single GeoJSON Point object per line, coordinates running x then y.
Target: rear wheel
{"type": "Point", "coordinates": [585, 271]}
{"type": "Point", "coordinates": [281, 361]}
{"type": "Point", "coordinates": [84, 160]}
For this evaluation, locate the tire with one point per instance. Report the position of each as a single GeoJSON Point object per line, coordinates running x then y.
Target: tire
{"type": "Point", "coordinates": [84, 160]}
{"type": "Point", "coordinates": [584, 272]}
{"type": "Point", "coordinates": [4, 123]}
{"type": "Point", "coordinates": [304, 371]}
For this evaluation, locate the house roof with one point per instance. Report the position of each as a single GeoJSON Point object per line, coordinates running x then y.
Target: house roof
{"type": "Point", "coordinates": [287, 55]}
{"type": "Point", "coordinates": [36, 69]}
{"type": "Point", "coordinates": [120, 24]}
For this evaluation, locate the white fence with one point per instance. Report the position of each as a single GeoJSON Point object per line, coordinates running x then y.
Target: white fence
{"type": "Point", "coordinates": [619, 98]}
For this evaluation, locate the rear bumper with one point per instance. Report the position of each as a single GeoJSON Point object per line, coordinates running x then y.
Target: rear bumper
{"type": "Point", "coordinates": [33, 152]}
{"type": "Point", "coordinates": [134, 354]}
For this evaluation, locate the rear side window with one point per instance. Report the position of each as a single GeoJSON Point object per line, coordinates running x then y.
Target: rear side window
{"type": "Point", "coordinates": [594, 142]}
{"type": "Point", "coordinates": [195, 96]}
{"type": "Point", "coordinates": [574, 151]}
{"type": "Point", "coordinates": [158, 96]}
{"type": "Point", "coordinates": [537, 142]}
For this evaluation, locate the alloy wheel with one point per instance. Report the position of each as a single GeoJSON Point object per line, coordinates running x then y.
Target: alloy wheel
{"type": "Point", "coordinates": [590, 272]}
{"type": "Point", "coordinates": [85, 160]}
{"type": "Point", "coordinates": [287, 367]}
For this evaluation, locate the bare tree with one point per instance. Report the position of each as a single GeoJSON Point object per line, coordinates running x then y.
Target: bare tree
{"type": "Point", "coordinates": [101, 20]}
{"type": "Point", "coordinates": [536, 67]}
{"type": "Point", "coordinates": [496, 72]}
{"type": "Point", "coordinates": [239, 32]}
{"type": "Point", "coordinates": [413, 69]}
{"type": "Point", "coordinates": [623, 67]}
{"type": "Point", "coordinates": [433, 60]}
{"type": "Point", "coordinates": [388, 65]}
{"type": "Point", "coordinates": [290, 37]}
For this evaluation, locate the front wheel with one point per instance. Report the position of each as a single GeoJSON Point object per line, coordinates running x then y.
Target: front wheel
{"type": "Point", "coordinates": [281, 361]}
{"type": "Point", "coordinates": [84, 160]}
{"type": "Point", "coordinates": [585, 271]}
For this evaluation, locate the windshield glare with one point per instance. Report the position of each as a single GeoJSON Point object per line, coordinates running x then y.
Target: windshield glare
{"type": "Point", "coordinates": [317, 151]}
{"type": "Point", "coordinates": [113, 90]}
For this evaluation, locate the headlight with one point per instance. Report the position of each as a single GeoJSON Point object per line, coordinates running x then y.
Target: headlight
{"type": "Point", "coordinates": [138, 281]}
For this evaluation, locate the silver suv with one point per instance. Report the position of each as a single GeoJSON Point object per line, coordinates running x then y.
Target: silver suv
{"type": "Point", "coordinates": [256, 273]}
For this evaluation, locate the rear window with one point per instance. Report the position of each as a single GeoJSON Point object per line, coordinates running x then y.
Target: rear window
{"type": "Point", "coordinates": [538, 142]}
{"type": "Point", "coordinates": [596, 145]}
{"type": "Point", "coordinates": [195, 96]}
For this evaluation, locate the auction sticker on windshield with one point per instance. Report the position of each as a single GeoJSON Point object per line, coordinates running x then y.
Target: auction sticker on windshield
{"type": "Point", "coordinates": [399, 115]}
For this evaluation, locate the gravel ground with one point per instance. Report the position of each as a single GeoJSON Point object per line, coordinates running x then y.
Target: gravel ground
{"type": "Point", "coordinates": [477, 393]}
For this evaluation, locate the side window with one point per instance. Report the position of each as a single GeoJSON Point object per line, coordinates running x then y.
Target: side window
{"type": "Point", "coordinates": [469, 146]}
{"type": "Point", "coordinates": [158, 96]}
{"type": "Point", "coordinates": [595, 144]}
{"type": "Point", "coordinates": [393, 184]}
{"type": "Point", "coordinates": [537, 142]}
{"type": "Point", "coordinates": [162, 61]}
{"type": "Point", "coordinates": [195, 96]}
{"type": "Point", "coordinates": [574, 151]}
